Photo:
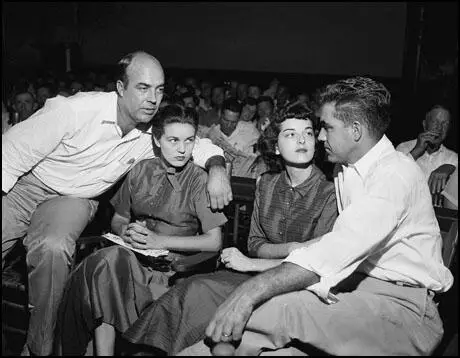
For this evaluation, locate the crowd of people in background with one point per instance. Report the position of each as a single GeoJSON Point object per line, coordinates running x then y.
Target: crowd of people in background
{"type": "Point", "coordinates": [235, 116]}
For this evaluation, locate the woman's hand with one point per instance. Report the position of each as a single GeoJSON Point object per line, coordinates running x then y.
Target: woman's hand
{"type": "Point", "coordinates": [139, 237]}
{"type": "Point", "coordinates": [235, 260]}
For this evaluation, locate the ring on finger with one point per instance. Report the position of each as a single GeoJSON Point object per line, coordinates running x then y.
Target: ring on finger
{"type": "Point", "coordinates": [226, 334]}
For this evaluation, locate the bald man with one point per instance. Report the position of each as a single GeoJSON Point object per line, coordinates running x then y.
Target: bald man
{"type": "Point", "coordinates": [435, 160]}
{"type": "Point", "coordinates": [57, 163]}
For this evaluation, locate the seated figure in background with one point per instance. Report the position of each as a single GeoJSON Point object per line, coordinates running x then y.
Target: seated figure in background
{"type": "Point", "coordinates": [291, 207]}
{"type": "Point", "coordinates": [162, 204]}
{"type": "Point", "coordinates": [24, 104]}
{"type": "Point", "coordinates": [236, 137]}
{"type": "Point", "coordinates": [435, 160]}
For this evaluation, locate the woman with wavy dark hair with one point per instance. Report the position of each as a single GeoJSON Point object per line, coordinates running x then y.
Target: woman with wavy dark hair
{"type": "Point", "coordinates": [292, 206]}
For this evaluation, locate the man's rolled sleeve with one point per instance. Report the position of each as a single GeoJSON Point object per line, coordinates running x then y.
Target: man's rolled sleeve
{"type": "Point", "coordinates": [205, 149]}
{"type": "Point", "coordinates": [358, 232]}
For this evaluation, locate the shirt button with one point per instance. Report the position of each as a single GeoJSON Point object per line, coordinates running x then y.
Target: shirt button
{"type": "Point", "coordinates": [281, 233]}
{"type": "Point", "coordinates": [131, 161]}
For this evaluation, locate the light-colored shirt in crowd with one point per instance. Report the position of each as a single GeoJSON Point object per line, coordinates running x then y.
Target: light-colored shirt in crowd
{"type": "Point", "coordinates": [238, 146]}
{"type": "Point", "coordinates": [75, 146]}
{"type": "Point", "coordinates": [430, 162]}
{"type": "Point", "coordinates": [386, 227]}
{"type": "Point", "coordinates": [450, 192]}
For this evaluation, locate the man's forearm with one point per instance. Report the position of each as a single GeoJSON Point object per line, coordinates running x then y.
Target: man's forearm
{"type": "Point", "coordinates": [284, 278]}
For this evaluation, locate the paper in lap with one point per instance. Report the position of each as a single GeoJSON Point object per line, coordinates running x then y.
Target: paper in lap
{"type": "Point", "coordinates": [149, 252]}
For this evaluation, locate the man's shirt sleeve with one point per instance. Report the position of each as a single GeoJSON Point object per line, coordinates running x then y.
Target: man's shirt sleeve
{"type": "Point", "coordinates": [29, 142]}
{"type": "Point", "coordinates": [205, 149]}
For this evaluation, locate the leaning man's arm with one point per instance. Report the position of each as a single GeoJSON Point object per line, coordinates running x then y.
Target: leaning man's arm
{"type": "Point", "coordinates": [205, 151]}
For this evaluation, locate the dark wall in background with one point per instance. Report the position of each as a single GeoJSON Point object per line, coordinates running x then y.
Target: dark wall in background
{"type": "Point", "coordinates": [312, 37]}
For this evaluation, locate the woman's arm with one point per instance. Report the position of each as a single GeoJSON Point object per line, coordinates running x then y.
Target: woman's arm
{"type": "Point", "coordinates": [143, 238]}
{"type": "Point", "coordinates": [233, 259]}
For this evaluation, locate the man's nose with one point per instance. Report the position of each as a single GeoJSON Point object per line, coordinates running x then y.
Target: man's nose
{"type": "Point", "coordinates": [322, 135]}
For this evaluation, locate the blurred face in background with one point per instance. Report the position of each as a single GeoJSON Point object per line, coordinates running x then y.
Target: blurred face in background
{"type": "Point", "coordinates": [248, 112]}
{"type": "Point", "coordinates": [254, 92]}
{"type": "Point", "coordinates": [43, 93]}
{"type": "Point", "coordinates": [437, 121]}
{"type": "Point", "coordinates": [25, 105]}
{"type": "Point", "coordinates": [264, 109]}
{"type": "Point", "coordinates": [218, 96]}
{"type": "Point", "coordinates": [189, 102]}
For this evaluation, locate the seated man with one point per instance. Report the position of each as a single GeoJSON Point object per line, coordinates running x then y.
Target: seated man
{"type": "Point", "coordinates": [366, 287]}
{"type": "Point", "coordinates": [265, 109]}
{"type": "Point", "coordinates": [237, 138]}
{"type": "Point", "coordinates": [249, 110]}
{"type": "Point", "coordinates": [162, 204]}
{"type": "Point", "coordinates": [56, 164]}
{"type": "Point", "coordinates": [435, 160]}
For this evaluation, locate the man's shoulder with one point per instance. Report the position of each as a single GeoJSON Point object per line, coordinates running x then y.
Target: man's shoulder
{"type": "Point", "coordinates": [398, 165]}
{"type": "Point", "coordinates": [449, 152]}
{"type": "Point", "coordinates": [406, 146]}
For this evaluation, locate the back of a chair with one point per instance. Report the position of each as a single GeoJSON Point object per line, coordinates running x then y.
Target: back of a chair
{"type": "Point", "coordinates": [239, 211]}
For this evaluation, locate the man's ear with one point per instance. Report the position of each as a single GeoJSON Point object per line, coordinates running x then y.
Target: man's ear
{"type": "Point", "coordinates": [120, 88]}
{"type": "Point", "coordinates": [357, 130]}
{"type": "Point", "coordinates": [424, 124]}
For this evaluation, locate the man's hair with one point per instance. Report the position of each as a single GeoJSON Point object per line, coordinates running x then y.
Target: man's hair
{"type": "Point", "coordinates": [49, 86]}
{"type": "Point", "coordinates": [266, 99]}
{"type": "Point", "coordinates": [249, 101]}
{"type": "Point", "coordinates": [123, 64]}
{"type": "Point", "coordinates": [173, 114]}
{"type": "Point", "coordinates": [232, 105]}
{"type": "Point", "coordinates": [359, 99]}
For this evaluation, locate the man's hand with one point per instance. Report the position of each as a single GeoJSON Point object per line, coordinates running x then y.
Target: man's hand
{"type": "Point", "coordinates": [231, 317]}
{"type": "Point", "coordinates": [423, 140]}
{"type": "Point", "coordinates": [438, 178]}
{"type": "Point", "coordinates": [234, 259]}
{"type": "Point", "coordinates": [219, 188]}
{"type": "Point", "coordinates": [139, 237]}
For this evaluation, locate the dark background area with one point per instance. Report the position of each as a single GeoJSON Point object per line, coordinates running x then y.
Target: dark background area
{"type": "Point", "coordinates": [304, 44]}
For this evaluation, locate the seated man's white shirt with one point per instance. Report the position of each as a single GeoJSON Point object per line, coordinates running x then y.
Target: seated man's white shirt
{"type": "Point", "coordinates": [386, 228]}
{"type": "Point", "coordinates": [430, 162]}
{"type": "Point", "coordinates": [75, 146]}
{"type": "Point", "coordinates": [239, 145]}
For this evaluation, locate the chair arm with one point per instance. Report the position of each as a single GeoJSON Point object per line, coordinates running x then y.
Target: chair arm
{"type": "Point", "coordinates": [202, 261]}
